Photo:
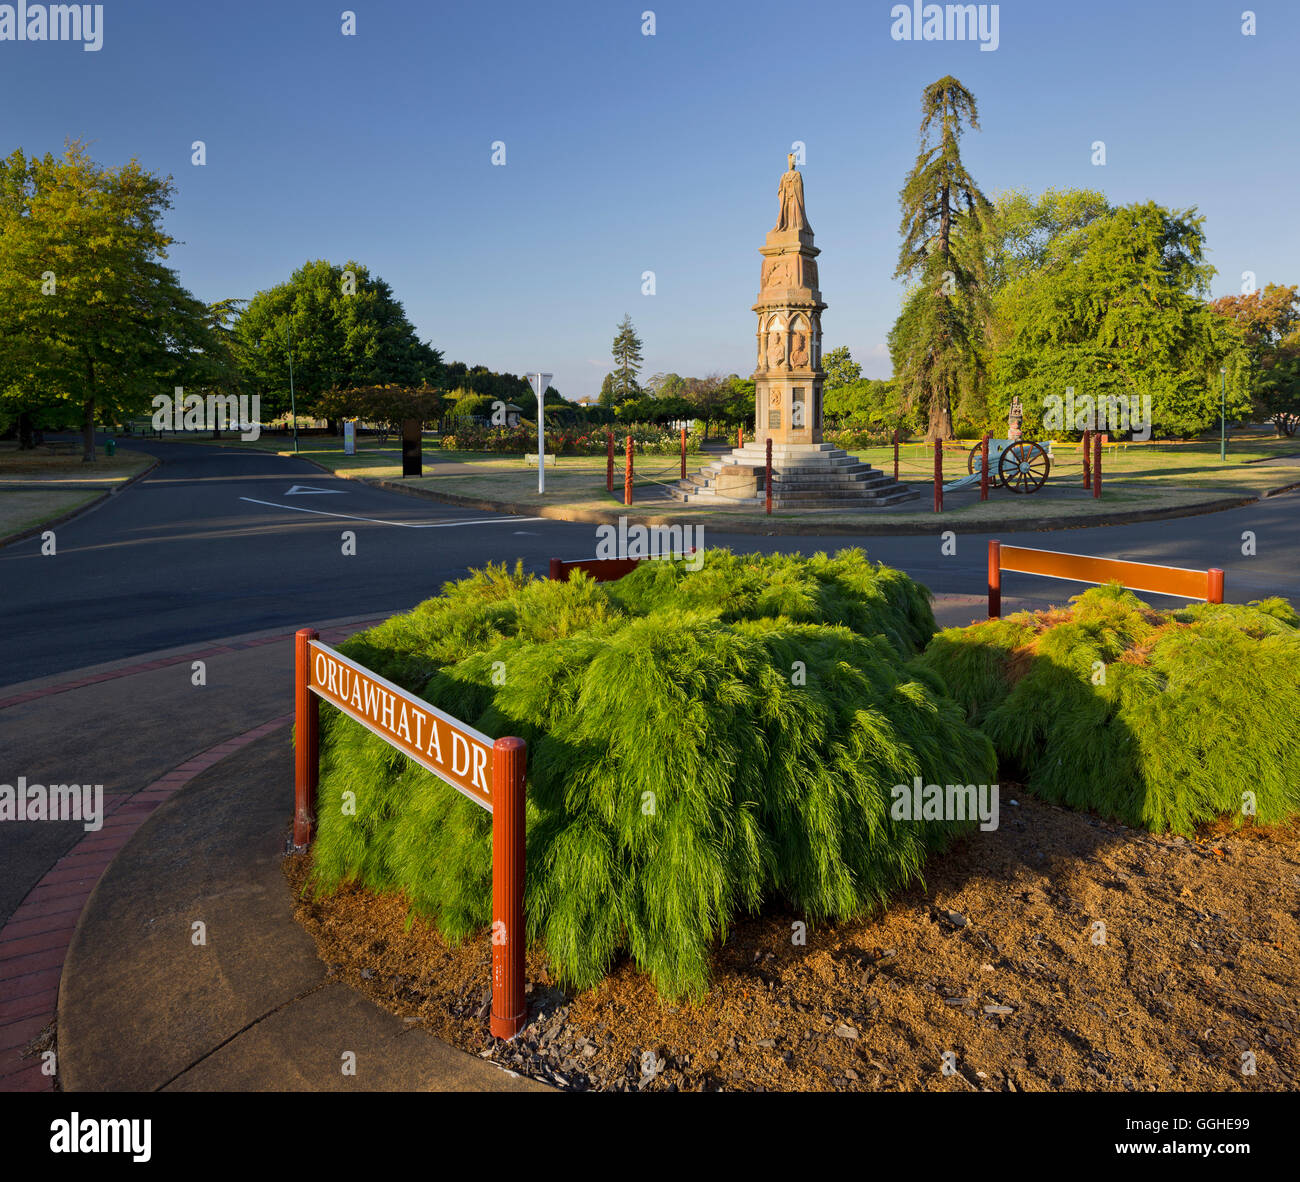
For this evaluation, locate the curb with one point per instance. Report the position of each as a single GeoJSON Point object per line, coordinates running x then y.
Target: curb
{"type": "Point", "coordinates": [830, 529]}
{"type": "Point", "coordinates": [64, 518]}
{"type": "Point", "coordinates": [814, 528]}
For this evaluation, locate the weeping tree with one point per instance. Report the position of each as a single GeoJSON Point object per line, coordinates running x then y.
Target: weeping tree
{"type": "Point", "coordinates": [937, 342]}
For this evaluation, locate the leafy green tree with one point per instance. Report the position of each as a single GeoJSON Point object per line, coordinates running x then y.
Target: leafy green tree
{"type": "Point", "coordinates": [1117, 311]}
{"type": "Point", "coordinates": [627, 361]}
{"type": "Point", "coordinates": [1269, 323]}
{"type": "Point", "coordinates": [937, 342]}
{"type": "Point", "coordinates": [709, 398]}
{"type": "Point", "coordinates": [840, 368]}
{"type": "Point", "coordinates": [1026, 230]}
{"type": "Point", "coordinates": [346, 330]}
{"type": "Point", "coordinates": [92, 323]}
{"type": "Point", "coordinates": [868, 402]}
{"type": "Point", "coordinates": [607, 396]}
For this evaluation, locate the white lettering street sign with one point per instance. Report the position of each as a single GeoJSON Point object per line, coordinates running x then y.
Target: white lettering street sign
{"type": "Point", "coordinates": [444, 745]}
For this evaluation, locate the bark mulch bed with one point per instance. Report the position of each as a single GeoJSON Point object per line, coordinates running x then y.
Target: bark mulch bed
{"type": "Point", "coordinates": [994, 977]}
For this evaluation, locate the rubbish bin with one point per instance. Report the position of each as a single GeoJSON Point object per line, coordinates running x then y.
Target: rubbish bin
{"type": "Point", "coordinates": [110, 447]}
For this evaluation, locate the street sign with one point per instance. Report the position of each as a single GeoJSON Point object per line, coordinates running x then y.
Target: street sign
{"type": "Point", "coordinates": [491, 773]}
{"type": "Point", "coordinates": [444, 745]}
{"type": "Point", "coordinates": [539, 382]}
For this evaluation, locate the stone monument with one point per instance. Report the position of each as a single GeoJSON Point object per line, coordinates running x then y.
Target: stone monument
{"type": "Point", "coordinates": [788, 388]}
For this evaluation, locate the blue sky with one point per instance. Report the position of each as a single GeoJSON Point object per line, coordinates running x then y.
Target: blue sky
{"type": "Point", "coordinates": [627, 153]}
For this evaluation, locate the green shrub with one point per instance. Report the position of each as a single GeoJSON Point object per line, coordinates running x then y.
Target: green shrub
{"type": "Point", "coordinates": [1158, 719]}
{"type": "Point", "coordinates": [681, 769]}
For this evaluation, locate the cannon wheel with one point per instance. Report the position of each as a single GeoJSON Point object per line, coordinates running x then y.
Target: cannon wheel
{"type": "Point", "coordinates": [971, 456]}
{"type": "Point", "coordinates": [1024, 467]}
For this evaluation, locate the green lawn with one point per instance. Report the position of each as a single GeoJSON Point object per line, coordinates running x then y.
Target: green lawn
{"type": "Point", "coordinates": [36, 486]}
{"type": "Point", "coordinates": [1135, 476]}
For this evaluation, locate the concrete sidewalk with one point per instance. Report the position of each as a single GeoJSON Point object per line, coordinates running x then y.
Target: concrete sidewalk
{"type": "Point", "coordinates": [147, 732]}
{"type": "Point", "coordinates": [188, 971]}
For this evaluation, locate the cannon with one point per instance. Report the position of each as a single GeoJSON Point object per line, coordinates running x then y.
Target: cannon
{"type": "Point", "coordinates": [1018, 464]}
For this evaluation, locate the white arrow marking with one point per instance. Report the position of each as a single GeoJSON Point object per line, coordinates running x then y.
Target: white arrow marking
{"type": "Point", "coordinates": [307, 490]}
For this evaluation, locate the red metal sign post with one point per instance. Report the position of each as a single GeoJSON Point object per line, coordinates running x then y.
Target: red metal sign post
{"type": "Point", "coordinates": [493, 777]}
{"type": "Point", "coordinates": [306, 741]}
{"type": "Point", "coordinates": [627, 474]}
{"type": "Point", "coordinates": [995, 580]}
{"type": "Point", "coordinates": [509, 1012]}
{"type": "Point", "coordinates": [938, 476]}
{"type": "Point", "coordinates": [984, 467]}
{"type": "Point", "coordinates": [767, 479]}
{"type": "Point", "coordinates": [683, 453]}
{"type": "Point", "coordinates": [1096, 466]}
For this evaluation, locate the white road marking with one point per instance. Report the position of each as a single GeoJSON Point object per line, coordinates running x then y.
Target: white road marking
{"type": "Point", "coordinates": [402, 524]}
{"type": "Point", "coordinates": [307, 490]}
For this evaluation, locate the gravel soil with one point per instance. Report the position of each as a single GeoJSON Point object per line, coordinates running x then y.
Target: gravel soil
{"type": "Point", "coordinates": [1057, 953]}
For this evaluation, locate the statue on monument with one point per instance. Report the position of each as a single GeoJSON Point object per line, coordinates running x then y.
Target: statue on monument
{"type": "Point", "coordinates": [793, 214]}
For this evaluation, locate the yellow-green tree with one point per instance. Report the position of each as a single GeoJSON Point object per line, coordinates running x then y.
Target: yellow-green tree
{"type": "Point", "coordinates": [92, 321]}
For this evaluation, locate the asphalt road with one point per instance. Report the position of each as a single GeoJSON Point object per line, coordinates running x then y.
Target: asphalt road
{"type": "Point", "coordinates": [218, 542]}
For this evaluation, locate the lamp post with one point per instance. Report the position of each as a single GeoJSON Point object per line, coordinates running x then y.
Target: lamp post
{"type": "Point", "coordinates": [293, 403]}
{"type": "Point", "coordinates": [1223, 414]}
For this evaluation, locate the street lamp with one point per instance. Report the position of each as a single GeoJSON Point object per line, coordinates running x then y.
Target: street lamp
{"type": "Point", "coordinates": [293, 404]}
{"type": "Point", "coordinates": [1223, 412]}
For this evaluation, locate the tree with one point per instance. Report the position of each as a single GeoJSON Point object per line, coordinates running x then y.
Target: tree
{"type": "Point", "coordinates": [840, 368]}
{"type": "Point", "coordinates": [92, 323]}
{"type": "Point", "coordinates": [1117, 311]}
{"type": "Point", "coordinates": [388, 405]}
{"type": "Point", "coordinates": [1269, 323]}
{"type": "Point", "coordinates": [868, 402]}
{"type": "Point", "coordinates": [1027, 230]}
{"type": "Point", "coordinates": [627, 361]}
{"type": "Point", "coordinates": [346, 330]}
{"type": "Point", "coordinates": [708, 396]}
{"type": "Point", "coordinates": [606, 397]}
{"type": "Point", "coordinates": [937, 341]}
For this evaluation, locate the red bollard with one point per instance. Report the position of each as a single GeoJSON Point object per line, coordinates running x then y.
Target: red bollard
{"type": "Point", "coordinates": [1096, 466]}
{"type": "Point", "coordinates": [995, 580]}
{"type": "Point", "coordinates": [509, 1011]}
{"type": "Point", "coordinates": [895, 455]}
{"type": "Point", "coordinates": [627, 474]}
{"type": "Point", "coordinates": [767, 479]}
{"type": "Point", "coordinates": [609, 465]}
{"type": "Point", "coordinates": [683, 453]}
{"type": "Point", "coordinates": [740, 436]}
{"type": "Point", "coordinates": [1087, 459]}
{"type": "Point", "coordinates": [984, 467]}
{"type": "Point", "coordinates": [1214, 585]}
{"type": "Point", "coordinates": [938, 476]}
{"type": "Point", "coordinates": [306, 748]}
